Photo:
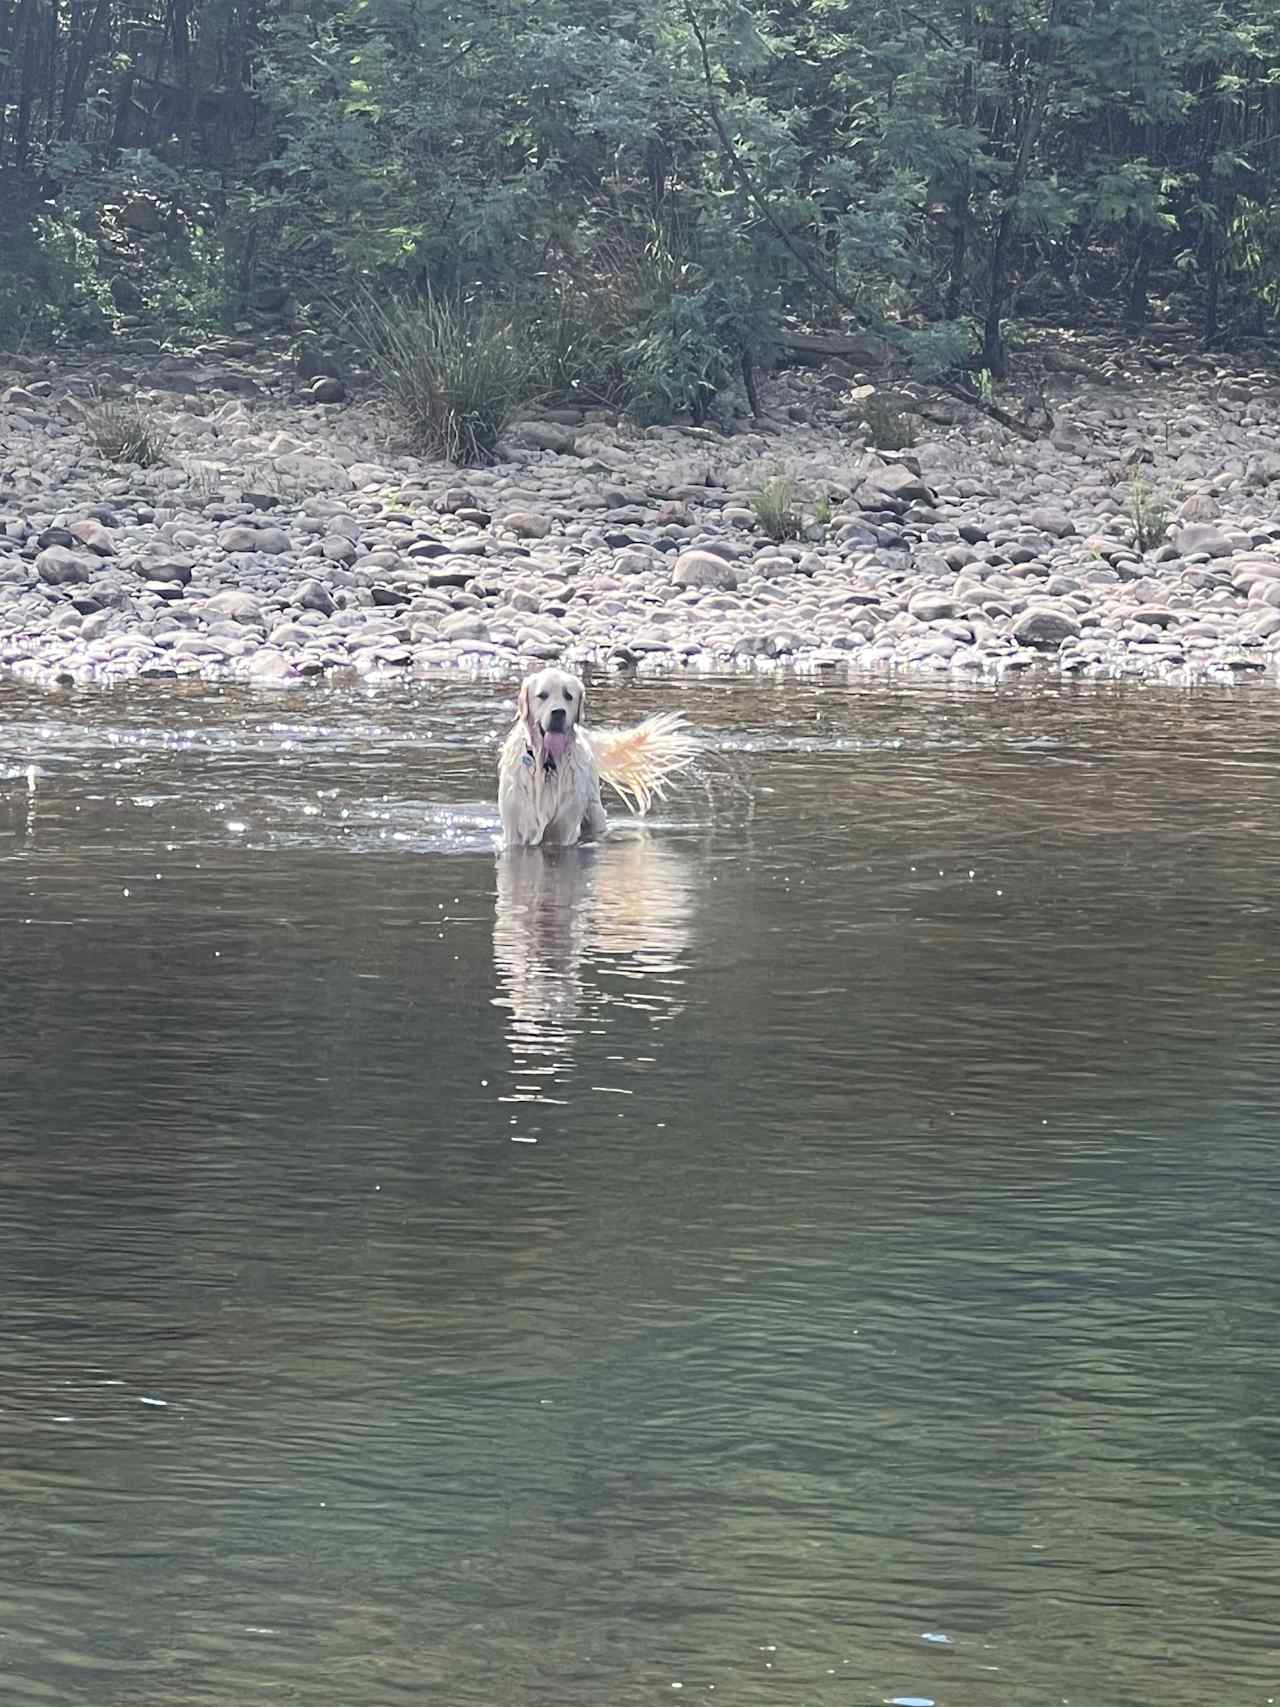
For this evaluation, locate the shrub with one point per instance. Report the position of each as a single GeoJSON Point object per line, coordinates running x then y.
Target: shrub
{"type": "Point", "coordinates": [1148, 513]}
{"type": "Point", "coordinates": [678, 364]}
{"type": "Point", "coordinates": [579, 348]}
{"type": "Point", "coordinates": [125, 432]}
{"type": "Point", "coordinates": [190, 284]}
{"type": "Point", "coordinates": [774, 505]}
{"type": "Point", "coordinates": [889, 428]}
{"type": "Point", "coordinates": [456, 373]}
{"type": "Point", "coordinates": [50, 285]}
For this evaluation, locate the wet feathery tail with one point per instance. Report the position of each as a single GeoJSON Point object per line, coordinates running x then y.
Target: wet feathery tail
{"type": "Point", "coordinates": [639, 763]}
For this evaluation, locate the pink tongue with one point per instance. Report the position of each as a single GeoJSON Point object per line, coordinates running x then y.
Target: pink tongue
{"type": "Point", "coordinates": [554, 743]}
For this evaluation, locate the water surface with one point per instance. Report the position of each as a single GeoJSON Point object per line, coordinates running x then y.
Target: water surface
{"type": "Point", "coordinates": [818, 1249]}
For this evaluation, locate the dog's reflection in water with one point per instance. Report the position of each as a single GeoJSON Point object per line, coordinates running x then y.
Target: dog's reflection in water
{"type": "Point", "coordinates": [579, 930]}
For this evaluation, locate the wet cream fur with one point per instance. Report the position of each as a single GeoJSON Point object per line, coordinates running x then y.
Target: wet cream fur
{"type": "Point", "coordinates": [546, 805]}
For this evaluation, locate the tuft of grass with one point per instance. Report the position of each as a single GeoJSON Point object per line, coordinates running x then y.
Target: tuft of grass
{"type": "Point", "coordinates": [580, 350]}
{"type": "Point", "coordinates": [456, 373]}
{"type": "Point", "coordinates": [1148, 514]}
{"type": "Point", "coordinates": [822, 509]}
{"type": "Point", "coordinates": [776, 511]}
{"type": "Point", "coordinates": [889, 428]}
{"type": "Point", "coordinates": [126, 432]}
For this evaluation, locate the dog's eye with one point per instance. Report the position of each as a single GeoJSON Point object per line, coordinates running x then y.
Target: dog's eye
{"type": "Point", "coordinates": [568, 699]}
{"type": "Point", "coordinates": [544, 694]}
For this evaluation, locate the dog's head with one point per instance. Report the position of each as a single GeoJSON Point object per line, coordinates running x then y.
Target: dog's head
{"type": "Point", "coordinates": [550, 707]}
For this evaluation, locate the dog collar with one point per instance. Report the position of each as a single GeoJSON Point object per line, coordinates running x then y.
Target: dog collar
{"type": "Point", "coordinates": [548, 764]}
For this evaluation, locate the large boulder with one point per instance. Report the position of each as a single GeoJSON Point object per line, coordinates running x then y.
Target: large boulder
{"type": "Point", "coordinates": [1202, 537]}
{"type": "Point", "coordinates": [893, 484]}
{"type": "Point", "coordinates": [704, 569]}
{"type": "Point", "coordinates": [60, 567]}
{"type": "Point", "coordinates": [1044, 628]}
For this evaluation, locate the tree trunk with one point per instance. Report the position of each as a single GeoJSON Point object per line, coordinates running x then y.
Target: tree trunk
{"type": "Point", "coordinates": [749, 383]}
{"type": "Point", "coordinates": [73, 92]}
{"type": "Point", "coordinates": [994, 357]}
{"type": "Point", "coordinates": [1027, 131]}
{"type": "Point", "coordinates": [959, 254]}
{"type": "Point", "coordinates": [1137, 308]}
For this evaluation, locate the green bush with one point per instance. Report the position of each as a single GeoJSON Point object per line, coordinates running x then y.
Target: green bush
{"type": "Point", "coordinates": [456, 373]}
{"type": "Point", "coordinates": [677, 364]}
{"type": "Point", "coordinates": [188, 284]}
{"type": "Point", "coordinates": [579, 348]}
{"type": "Point", "coordinates": [775, 508]}
{"type": "Point", "coordinates": [50, 285]}
{"type": "Point", "coordinates": [888, 428]}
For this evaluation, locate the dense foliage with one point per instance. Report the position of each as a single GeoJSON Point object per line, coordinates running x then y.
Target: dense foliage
{"type": "Point", "coordinates": [663, 184]}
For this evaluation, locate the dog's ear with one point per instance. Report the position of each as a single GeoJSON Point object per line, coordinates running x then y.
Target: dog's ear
{"type": "Point", "coordinates": [524, 709]}
{"type": "Point", "coordinates": [582, 700]}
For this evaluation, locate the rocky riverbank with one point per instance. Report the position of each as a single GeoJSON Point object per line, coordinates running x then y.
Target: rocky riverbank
{"type": "Point", "coordinates": [286, 535]}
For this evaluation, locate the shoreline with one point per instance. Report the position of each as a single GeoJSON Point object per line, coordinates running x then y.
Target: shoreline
{"type": "Point", "coordinates": [284, 541]}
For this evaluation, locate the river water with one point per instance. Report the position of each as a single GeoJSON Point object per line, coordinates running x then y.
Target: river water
{"type": "Point", "coordinates": [818, 1249]}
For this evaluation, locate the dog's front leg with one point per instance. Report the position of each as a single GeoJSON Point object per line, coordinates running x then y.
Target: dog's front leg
{"type": "Point", "coordinates": [595, 820]}
{"type": "Point", "coordinates": [563, 831]}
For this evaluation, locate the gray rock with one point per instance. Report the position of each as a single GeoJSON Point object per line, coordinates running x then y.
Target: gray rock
{"type": "Point", "coordinates": [1055, 522]}
{"type": "Point", "coordinates": [1262, 470]}
{"type": "Point", "coordinates": [897, 484]}
{"type": "Point", "coordinates": [541, 435]}
{"type": "Point", "coordinates": [1066, 435]}
{"type": "Point", "coordinates": [239, 538]}
{"type": "Point", "coordinates": [126, 295]}
{"type": "Point", "coordinates": [527, 524]}
{"type": "Point", "coordinates": [242, 384]}
{"type": "Point", "coordinates": [704, 569]}
{"type": "Point", "coordinates": [141, 213]}
{"type": "Point", "coordinates": [931, 607]}
{"type": "Point", "coordinates": [246, 537]}
{"type": "Point", "coordinates": [1201, 537]}
{"type": "Point", "coordinates": [92, 533]}
{"type": "Point", "coordinates": [267, 665]}
{"type": "Point", "coordinates": [59, 567]}
{"type": "Point", "coordinates": [312, 363]}
{"type": "Point", "coordinates": [239, 606]}
{"type": "Point", "coordinates": [314, 595]}
{"type": "Point", "coordinates": [465, 625]}
{"type": "Point", "coordinates": [1044, 628]}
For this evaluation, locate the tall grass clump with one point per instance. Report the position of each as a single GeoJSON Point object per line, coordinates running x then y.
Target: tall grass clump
{"type": "Point", "coordinates": [1148, 514]}
{"type": "Point", "coordinates": [126, 432]}
{"type": "Point", "coordinates": [457, 373]}
{"type": "Point", "coordinates": [776, 510]}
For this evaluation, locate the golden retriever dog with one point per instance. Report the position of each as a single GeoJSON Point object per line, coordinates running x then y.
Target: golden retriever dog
{"type": "Point", "coordinates": [552, 766]}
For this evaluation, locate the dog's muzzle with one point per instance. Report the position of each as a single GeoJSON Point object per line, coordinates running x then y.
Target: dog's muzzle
{"type": "Point", "coordinates": [555, 738]}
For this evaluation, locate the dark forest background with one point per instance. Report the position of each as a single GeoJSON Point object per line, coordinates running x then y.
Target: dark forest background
{"type": "Point", "coordinates": [689, 174]}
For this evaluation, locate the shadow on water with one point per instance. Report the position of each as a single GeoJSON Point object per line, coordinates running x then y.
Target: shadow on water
{"type": "Point", "coordinates": [816, 1247]}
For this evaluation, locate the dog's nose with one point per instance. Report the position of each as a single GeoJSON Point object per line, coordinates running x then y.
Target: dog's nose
{"type": "Point", "coordinates": [557, 718]}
